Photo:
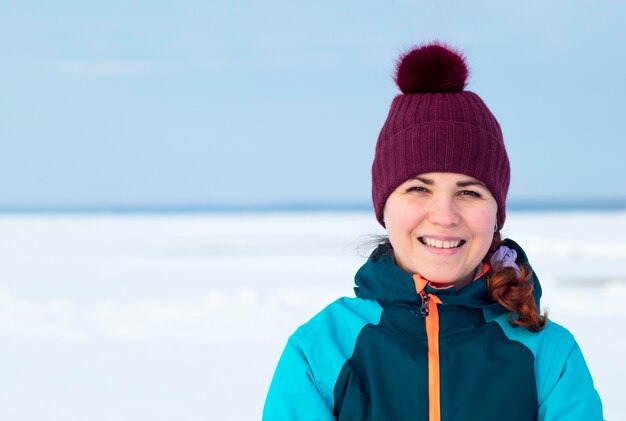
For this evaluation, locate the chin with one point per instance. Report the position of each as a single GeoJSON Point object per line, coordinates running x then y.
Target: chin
{"type": "Point", "coordinates": [443, 277]}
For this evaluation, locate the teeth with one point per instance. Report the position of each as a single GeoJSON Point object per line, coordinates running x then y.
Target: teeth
{"type": "Point", "coordinates": [441, 244]}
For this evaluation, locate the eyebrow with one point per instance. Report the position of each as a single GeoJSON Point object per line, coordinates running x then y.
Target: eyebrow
{"type": "Point", "coordinates": [470, 183]}
{"type": "Point", "coordinates": [467, 183]}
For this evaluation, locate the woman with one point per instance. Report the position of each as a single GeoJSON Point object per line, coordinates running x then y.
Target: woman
{"type": "Point", "coordinates": [446, 323]}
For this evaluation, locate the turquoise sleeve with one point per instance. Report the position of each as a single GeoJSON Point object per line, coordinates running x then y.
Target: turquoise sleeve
{"type": "Point", "coordinates": [293, 394]}
{"type": "Point", "coordinates": [573, 397]}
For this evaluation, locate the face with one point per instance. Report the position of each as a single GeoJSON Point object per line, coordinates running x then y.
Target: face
{"type": "Point", "coordinates": [441, 226]}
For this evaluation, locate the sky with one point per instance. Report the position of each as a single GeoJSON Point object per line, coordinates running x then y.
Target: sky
{"type": "Point", "coordinates": [150, 103]}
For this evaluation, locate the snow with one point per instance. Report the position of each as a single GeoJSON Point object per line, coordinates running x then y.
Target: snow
{"type": "Point", "coordinates": [160, 317]}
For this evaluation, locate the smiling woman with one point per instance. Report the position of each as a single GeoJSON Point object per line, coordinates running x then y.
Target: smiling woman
{"type": "Point", "coordinates": [445, 324]}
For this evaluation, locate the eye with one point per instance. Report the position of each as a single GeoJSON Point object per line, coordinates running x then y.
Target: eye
{"type": "Point", "coordinates": [470, 193]}
{"type": "Point", "coordinates": [416, 189]}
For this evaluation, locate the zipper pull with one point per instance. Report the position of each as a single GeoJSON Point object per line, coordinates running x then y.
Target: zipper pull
{"type": "Point", "coordinates": [423, 311]}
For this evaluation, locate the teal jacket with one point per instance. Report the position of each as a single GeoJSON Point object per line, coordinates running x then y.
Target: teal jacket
{"type": "Point", "coordinates": [394, 353]}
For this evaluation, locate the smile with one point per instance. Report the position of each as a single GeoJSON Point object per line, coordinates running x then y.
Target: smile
{"type": "Point", "coordinates": [432, 242]}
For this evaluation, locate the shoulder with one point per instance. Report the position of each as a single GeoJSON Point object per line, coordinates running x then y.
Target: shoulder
{"type": "Point", "coordinates": [343, 313]}
{"type": "Point", "coordinates": [554, 348]}
{"type": "Point", "coordinates": [327, 341]}
{"type": "Point", "coordinates": [553, 338]}
{"type": "Point", "coordinates": [338, 324]}
{"type": "Point", "coordinates": [550, 346]}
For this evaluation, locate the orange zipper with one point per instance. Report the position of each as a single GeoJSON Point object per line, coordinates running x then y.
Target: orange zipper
{"type": "Point", "coordinates": [431, 313]}
{"type": "Point", "coordinates": [432, 335]}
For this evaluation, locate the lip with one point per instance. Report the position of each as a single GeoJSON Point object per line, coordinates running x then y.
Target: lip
{"type": "Point", "coordinates": [441, 237]}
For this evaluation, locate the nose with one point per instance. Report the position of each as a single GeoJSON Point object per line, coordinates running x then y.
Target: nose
{"type": "Point", "coordinates": [444, 212]}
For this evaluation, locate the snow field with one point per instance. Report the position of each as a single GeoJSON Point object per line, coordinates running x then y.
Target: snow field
{"type": "Point", "coordinates": [183, 317]}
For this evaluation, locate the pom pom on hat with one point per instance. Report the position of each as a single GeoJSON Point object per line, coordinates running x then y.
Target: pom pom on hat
{"type": "Point", "coordinates": [431, 68]}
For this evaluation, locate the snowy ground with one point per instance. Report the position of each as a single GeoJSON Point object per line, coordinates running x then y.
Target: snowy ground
{"type": "Point", "coordinates": [184, 317]}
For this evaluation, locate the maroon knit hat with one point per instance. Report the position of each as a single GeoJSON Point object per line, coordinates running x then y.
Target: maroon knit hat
{"type": "Point", "coordinates": [436, 126]}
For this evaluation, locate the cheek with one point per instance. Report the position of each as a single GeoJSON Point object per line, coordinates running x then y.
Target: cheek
{"type": "Point", "coordinates": [400, 220]}
{"type": "Point", "coordinates": [484, 224]}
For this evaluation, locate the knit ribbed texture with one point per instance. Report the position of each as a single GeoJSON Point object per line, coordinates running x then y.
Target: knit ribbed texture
{"type": "Point", "coordinates": [440, 132]}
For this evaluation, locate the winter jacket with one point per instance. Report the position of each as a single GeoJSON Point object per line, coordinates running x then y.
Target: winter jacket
{"type": "Point", "coordinates": [397, 353]}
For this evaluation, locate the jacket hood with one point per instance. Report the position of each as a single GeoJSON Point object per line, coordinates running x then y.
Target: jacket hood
{"type": "Point", "coordinates": [382, 280]}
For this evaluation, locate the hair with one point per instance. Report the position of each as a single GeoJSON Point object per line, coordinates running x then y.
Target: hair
{"type": "Point", "coordinates": [511, 290]}
{"type": "Point", "coordinates": [515, 291]}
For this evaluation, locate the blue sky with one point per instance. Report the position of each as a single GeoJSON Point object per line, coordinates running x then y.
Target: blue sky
{"type": "Point", "coordinates": [204, 102]}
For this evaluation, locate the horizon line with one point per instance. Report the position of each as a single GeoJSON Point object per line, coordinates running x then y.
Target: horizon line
{"type": "Point", "coordinates": [296, 207]}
